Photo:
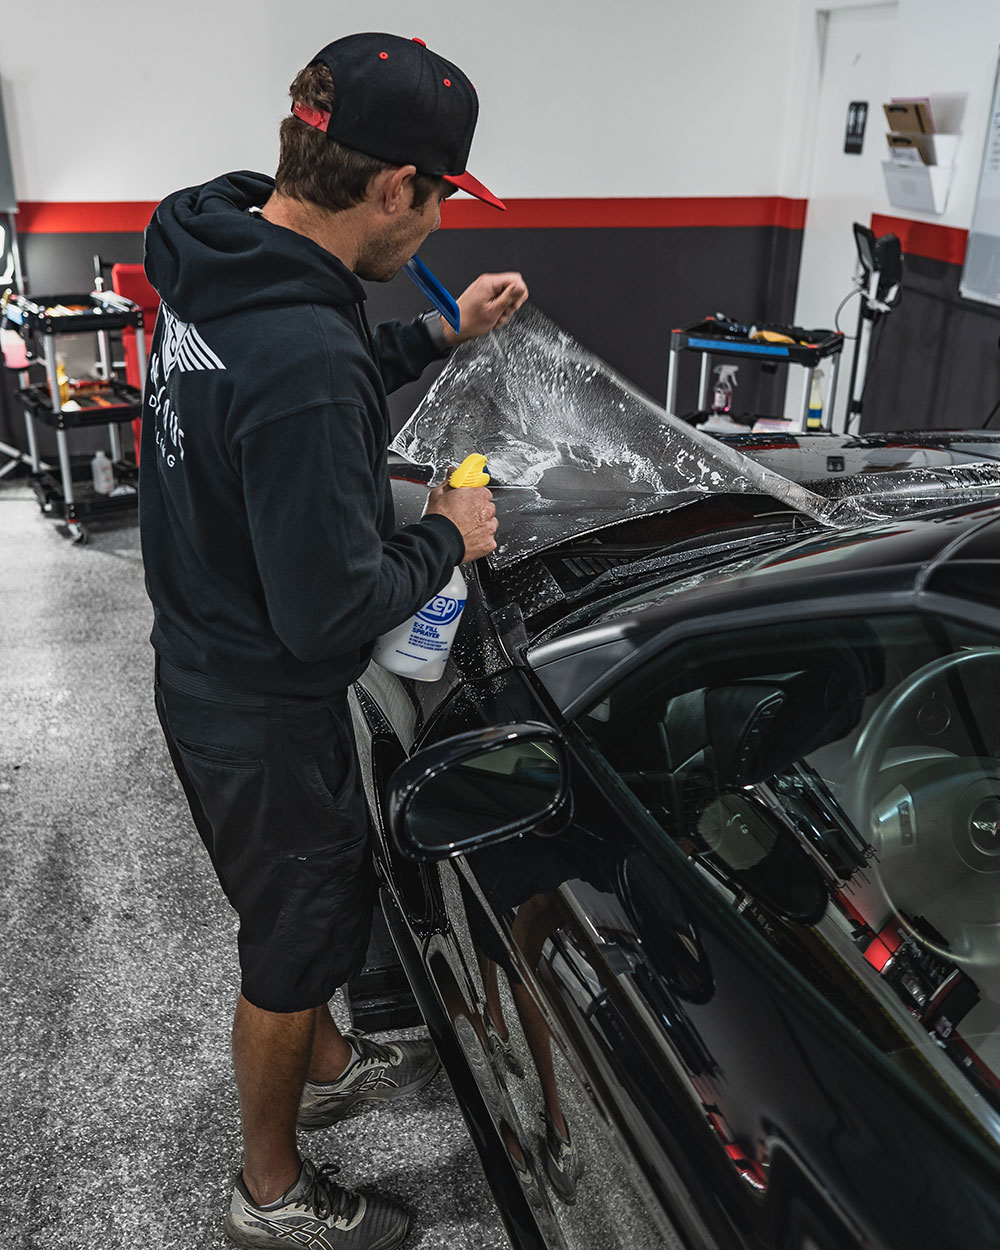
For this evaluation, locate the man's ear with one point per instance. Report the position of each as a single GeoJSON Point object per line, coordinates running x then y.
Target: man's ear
{"type": "Point", "coordinates": [392, 189]}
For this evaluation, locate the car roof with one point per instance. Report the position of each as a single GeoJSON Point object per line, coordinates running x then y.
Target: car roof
{"type": "Point", "coordinates": [948, 561]}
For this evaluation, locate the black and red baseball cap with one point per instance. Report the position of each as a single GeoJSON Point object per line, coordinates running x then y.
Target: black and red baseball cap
{"type": "Point", "coordinates": [398, 101]}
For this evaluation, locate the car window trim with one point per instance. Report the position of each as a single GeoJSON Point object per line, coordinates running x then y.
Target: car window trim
{"type": "Point", "coordinates": [829, 607]}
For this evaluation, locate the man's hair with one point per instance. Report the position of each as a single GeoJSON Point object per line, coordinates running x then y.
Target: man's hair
{"type": "Point", "coordinates": [319, 170]}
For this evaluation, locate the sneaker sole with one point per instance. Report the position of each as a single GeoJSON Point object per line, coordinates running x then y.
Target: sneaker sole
{"type": "Point", "coordinates": [390, 1241]}
{"type": "Point", "coordinates": [342, 1110]}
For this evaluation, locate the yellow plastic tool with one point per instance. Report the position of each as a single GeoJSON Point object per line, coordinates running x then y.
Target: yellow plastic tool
{"type": "Point", "coordinates": [770, 336]}
{"type": "Point", "coordinates": [470, 472]}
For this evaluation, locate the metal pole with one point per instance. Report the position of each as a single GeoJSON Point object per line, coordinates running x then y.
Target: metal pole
{"type": "Point", "coordinates": [806, 392]}
{"type": "Point", "coordinates": [831, 390]}
{"type": "Point", "coordinates": [65, 469]}
{"type": "Point", "coordinates": [671, 404]}
{"type": "Point", "coordinates": [703, 382]}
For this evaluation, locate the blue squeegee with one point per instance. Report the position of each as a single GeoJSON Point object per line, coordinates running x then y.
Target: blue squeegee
{"type": "Point", "coordinates": [438, 295]}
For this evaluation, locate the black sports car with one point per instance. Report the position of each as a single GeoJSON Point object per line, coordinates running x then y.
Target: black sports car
{"type": "Point", "coordinates": [692, 857]}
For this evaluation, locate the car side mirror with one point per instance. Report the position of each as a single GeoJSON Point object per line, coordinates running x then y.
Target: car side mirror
{"type": "Point", "coordinates": [476, 789]}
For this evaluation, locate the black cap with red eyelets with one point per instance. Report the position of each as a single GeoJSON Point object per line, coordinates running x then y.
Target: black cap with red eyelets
{"type": "Point", "coordinates": [398, 101]}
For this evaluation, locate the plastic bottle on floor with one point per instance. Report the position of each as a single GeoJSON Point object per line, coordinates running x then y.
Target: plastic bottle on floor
{"type": "Point", "coordinates": [102, 473]}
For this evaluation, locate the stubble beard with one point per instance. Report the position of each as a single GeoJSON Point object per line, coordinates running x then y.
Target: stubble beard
{"type": "Point", "coordinates": [384, 256]}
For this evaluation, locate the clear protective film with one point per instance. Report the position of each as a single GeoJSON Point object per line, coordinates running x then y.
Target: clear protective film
{"type": "Point", "coordinates": [576, 444]}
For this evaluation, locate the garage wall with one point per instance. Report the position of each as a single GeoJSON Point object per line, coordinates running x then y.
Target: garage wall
{"type": "Point", "coordinates": [580, 98]}
{"type": "Point", "coordinates": [690, 124]}
{"type": "Point", "coordinates": [646, 104]}
{"type": "Point", "coordinates": [936, 361]}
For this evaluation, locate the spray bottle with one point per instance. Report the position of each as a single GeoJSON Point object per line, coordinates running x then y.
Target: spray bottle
{"type": "Point", "coordinates": [419, 647]}
{"type": "Point", "coordinates": [814, 417]}
{"type": "Point", "coordinates": [722, 392]}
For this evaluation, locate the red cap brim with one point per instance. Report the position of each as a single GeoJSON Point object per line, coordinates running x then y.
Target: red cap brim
{"type": "Point", "coordinates": [466, 182]}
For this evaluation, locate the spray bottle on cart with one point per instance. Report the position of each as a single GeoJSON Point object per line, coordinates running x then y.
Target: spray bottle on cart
{"type": "Point", "coordinates": [419, 647]}
{"type": "Point", "coordinates": [722, 392]}
{"type": "Point", "coordinates": [814, 418]}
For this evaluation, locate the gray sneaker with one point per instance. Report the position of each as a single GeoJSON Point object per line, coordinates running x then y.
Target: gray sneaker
{"type": "Point", "coordinates": [315, 1214]}
{"type": "Point", "coordinates": [562, 1163]}
{"type": "Point", "coordinates": [383, 1070]}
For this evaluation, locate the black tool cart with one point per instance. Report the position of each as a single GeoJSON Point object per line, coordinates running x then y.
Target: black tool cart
{"type": "Point", "coordinates": [769, 345]}
{"type": "Point", "coordinates": [64, 404]}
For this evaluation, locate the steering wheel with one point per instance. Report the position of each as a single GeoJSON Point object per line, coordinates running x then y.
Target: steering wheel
{"type": "Point", "coordinates": [933, 820]}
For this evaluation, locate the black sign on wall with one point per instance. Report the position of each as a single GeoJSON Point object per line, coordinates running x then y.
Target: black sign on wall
{"type": "Point", "coordinates": [854, 136]}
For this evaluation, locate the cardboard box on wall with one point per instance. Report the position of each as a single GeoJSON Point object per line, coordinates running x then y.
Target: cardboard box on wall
{"type": "Point", "coordinates": [905, 149]}
{"type": "Point", "coordinates": [911, 149]}
{"type": "Point", "coordinates": [909, 116]}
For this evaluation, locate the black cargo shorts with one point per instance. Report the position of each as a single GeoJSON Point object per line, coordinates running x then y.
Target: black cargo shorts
{"type": "Point", "coordinates": [272, 783]}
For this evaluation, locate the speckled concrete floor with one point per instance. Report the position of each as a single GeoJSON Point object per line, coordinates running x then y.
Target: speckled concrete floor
{"type": "Point", "coordinates": [118, 1122]}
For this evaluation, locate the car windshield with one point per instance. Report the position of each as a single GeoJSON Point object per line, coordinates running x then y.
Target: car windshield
{"type": "Point", "coordinates": [837, 781]}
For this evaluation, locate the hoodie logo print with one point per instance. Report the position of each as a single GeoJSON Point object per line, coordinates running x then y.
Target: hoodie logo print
{"type": "Point", "coordinates": [181, 348]}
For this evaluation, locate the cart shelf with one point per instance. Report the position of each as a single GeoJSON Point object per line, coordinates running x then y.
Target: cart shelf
{"type": "Point", "coordinates": [86, 502]}
{"type": "Point", "coordinates": [72, 314]}
{"type": "Point", "coordinates": [768, 344]}
{"type": "Point", "coordinates": [116, 401]}
{"type": "Point", "coordinates": [808, 348]}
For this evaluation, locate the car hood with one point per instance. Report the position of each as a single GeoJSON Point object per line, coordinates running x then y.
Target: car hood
{"type": "Point", "coordinates": [574, 449]}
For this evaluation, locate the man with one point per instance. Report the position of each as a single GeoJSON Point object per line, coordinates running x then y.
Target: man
{"type": "Point", "coordinates": [272, 562]}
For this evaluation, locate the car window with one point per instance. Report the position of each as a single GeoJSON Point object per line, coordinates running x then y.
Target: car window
{"type": "Point", "coordinates": [837, 782]}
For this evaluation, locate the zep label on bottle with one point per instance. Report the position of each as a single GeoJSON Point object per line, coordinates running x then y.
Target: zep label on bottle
{"type": "Point", "coordinates": [441, 610]}
{"type": "Point", "coordinates": [429, 628]}
{"type": "Point", "coordinates": [419, 647]}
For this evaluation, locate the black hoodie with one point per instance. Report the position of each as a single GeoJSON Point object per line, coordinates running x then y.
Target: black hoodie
{"type": "Point", "coordinates": [271, 554]}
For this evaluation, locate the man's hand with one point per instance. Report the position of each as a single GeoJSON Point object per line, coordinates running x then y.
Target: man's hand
{"type": "Point", "coordinates": [471, 509]}
{"type": "Point", "coordinates": [490, 301]}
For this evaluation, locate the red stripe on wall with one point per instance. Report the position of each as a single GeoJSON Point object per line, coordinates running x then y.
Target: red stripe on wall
{"type": "Point", "coordinates": [924, 238]}
{"type": "Point", "coordinates": [469, 214]}
{"type": "Point", "coordinates": [128, 217]}
{"type": "Point", "coordinates": [763, 210]}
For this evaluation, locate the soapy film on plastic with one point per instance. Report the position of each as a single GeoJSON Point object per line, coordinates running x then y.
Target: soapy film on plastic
{"type": "Point", "coordinates": [550, 415]}
{"type": "Point", "coordinates": [555, 420]}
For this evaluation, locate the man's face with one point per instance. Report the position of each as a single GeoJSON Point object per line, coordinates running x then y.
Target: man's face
{"type": "Point", "coordinates": [385, 254]}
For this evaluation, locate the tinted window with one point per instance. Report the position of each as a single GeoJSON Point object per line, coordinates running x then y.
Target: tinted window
{"type": "Point", "coordinates": [838, 782]}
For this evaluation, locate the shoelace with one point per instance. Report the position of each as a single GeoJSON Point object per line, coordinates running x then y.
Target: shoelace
{"type": "Point", "coordinates": [323, 1195]}
{"type": "Point", "coordinates": [370, 1051]}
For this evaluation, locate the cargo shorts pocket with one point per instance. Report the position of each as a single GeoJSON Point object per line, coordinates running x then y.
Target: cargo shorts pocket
{"type": "Point", "coordinates": [327, 764]}
{"type": "Point", "coordinates": [229, 787]}
{"type": "Point", "coordinates": [323, 924]}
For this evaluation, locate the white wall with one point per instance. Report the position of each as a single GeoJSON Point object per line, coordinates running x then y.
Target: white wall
{"type": "Point", "coordinates": [936, 48]}
{"type": "Point", "coordinates": [947, 47]}
{"type": "Point", "coordinates": [123, 100]}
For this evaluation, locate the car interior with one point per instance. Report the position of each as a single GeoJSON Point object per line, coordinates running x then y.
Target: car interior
{"type": "Point", "coordinates": [848, 778]}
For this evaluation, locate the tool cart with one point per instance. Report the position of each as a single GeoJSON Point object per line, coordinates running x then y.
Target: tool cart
{"type": "Point", "coordinates": [769, 345]}
{"type": "Point", "coordinates": [65, 405]}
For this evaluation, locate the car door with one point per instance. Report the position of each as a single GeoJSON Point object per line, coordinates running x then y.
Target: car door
{"type": "Point", "coordinates": [689, 969]}
{"type": "Point", "coordinates": [524, 977]}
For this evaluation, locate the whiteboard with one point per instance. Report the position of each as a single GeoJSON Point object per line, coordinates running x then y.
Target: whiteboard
{"type": "Point", "coordinates": [981, 270]}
